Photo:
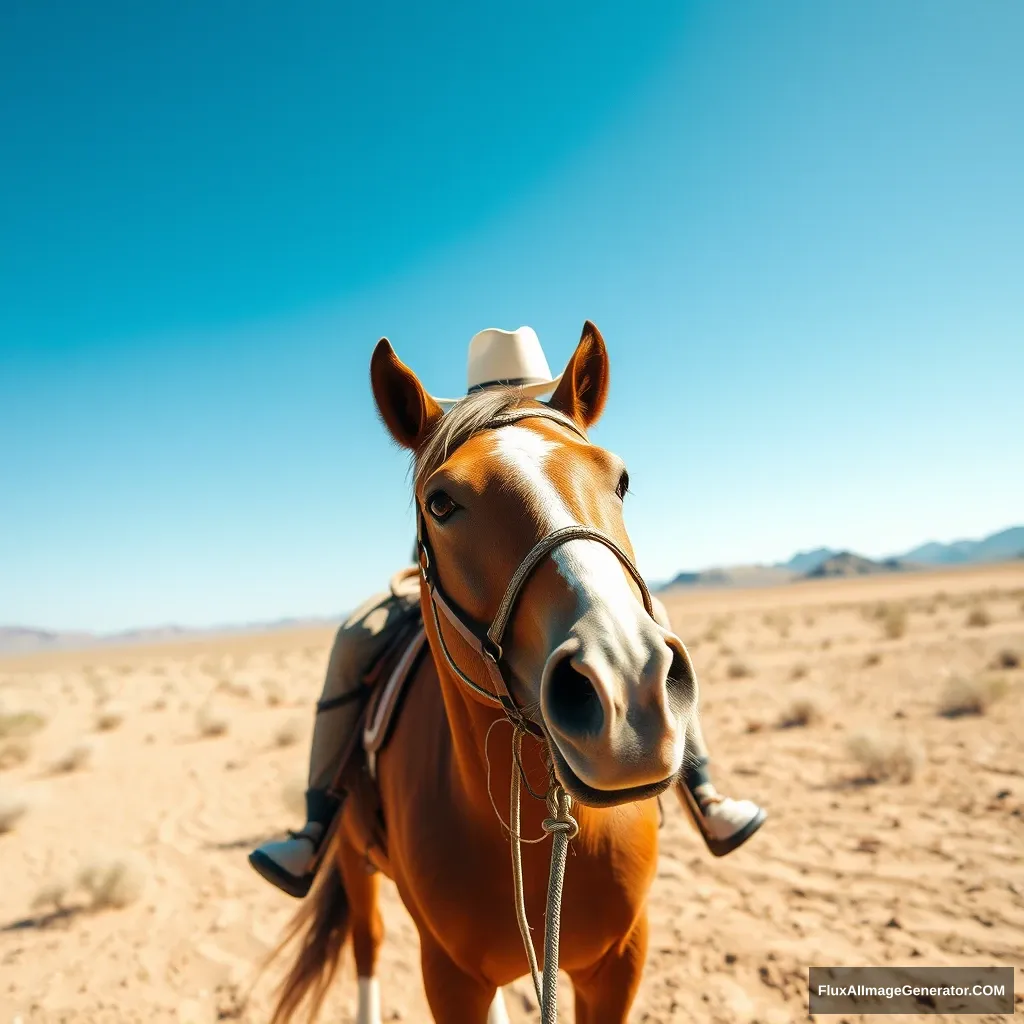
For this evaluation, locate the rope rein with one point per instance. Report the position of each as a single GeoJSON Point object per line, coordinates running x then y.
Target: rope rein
{"type": "Point", "coordinates": [562, 827]}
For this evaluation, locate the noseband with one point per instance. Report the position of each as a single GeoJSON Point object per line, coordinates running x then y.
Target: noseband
{"type": "Point", "coordinates": [487, 641]}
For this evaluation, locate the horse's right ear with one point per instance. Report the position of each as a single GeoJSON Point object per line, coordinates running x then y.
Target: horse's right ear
{"type": "Point", "coordinates": [409, 413]}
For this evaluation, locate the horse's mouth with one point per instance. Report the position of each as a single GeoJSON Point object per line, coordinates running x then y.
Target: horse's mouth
{"type": "Point", "coordinates": [591, 797]}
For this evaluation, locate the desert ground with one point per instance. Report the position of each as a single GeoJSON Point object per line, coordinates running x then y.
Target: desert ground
{"type": "Point", "coordinates": [877, 719]}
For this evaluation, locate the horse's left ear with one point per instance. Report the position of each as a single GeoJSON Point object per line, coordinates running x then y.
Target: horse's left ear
{"type": "Point", "coordinates": [583, 389]}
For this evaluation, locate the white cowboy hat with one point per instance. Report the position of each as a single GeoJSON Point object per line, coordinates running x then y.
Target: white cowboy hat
{"type": "Point", "coordinates": [512, 358]}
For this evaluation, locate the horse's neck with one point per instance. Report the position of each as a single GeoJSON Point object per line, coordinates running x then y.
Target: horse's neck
{"type": "Point", "coordinates": [481, 750]}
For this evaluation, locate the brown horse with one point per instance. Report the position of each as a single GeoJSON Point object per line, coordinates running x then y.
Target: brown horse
{"type": "Point", "coordinates": [508, 489]}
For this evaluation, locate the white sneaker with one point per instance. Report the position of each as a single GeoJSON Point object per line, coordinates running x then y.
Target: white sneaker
{"type": "Point", "coordinates": [290, 863]}
{"type": "Point", "coordinates": [723, 823]}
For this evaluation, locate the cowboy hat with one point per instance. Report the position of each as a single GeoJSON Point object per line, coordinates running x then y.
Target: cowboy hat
{"type": "Point", "coordinates": [512, 358]}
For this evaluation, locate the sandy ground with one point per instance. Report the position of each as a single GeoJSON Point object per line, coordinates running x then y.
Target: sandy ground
{"type": "Point", "coordinates": [921, 870]}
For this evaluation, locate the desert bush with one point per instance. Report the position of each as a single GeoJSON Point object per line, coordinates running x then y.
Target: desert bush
{"type": "Point", "coordinates": [52, 895]}
{"type": "Point", "coordinates": [798, 671]}
{"type": "Point", "coordinates": [894, 621]}
{"type": "Point", "coordinates": [289, 733]}
{"type": "Point", "coordinates": [738, 670]}
{"type": "Point", "coordinates": [872, 658]}
{"type": "Point", "coordinates": [113, 882]}
{"type": "Point", "coordinates": [109, 716]}
{"type": "Point", "coordinates": [978, 617]}
{"type": "Point", "coordinates": [14, 752]}
{"type": "Point", "coordinates": [211, 722]}
{"type": "Point", "coordinates": [883, 758]}
{"type": "Point", "coordinates": [76, 756]}
{"type": "Point", "coordinates": [964, 696]}
{"type": "Point", "coordinates": [235, 688]}
{"type": "Point", "coordinates": [1006, 659]}
{"type": "Point", "coordinates": [273, 691]}
{"type": "Point", "coordinates": [12, 809]}
{"type": "Point", "coordinates": [20, 724]}
{"type": "Point", "coordinates": [802, 711]}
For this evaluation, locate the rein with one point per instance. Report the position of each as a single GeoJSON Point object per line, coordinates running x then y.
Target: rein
{"type": "Point", "coordinates": [487, 643]}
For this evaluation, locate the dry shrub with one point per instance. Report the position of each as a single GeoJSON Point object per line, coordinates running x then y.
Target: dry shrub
{"type": "Point", "coordinates": [289, 733]}
{"type": "Point", "coordinates": [211, 722]}
{"type": "Point", "coordinates": [109, 716]}
{"type": "Point", "coordinates": [725, 651]}
{"type": "Point", "coordinates": [52, 895]}
{"type": "Point", "coordinates": [826, 643]}
{"type": "Point", "coordinates": [14, 752]}
{"type": "Point", "coordinates": [235, 688]}
{"type": "Point", "coordinates": [802, 711]}
{"type": "Point", "coordinates": [894, 621]}
{"type": "Point", "coordinates": [872, 658]}
{"type": "Point", "coordinates": [273, 690]}
{"type": "Point", "coordinates": [1006, 659]}
{"type": "Point", "coordinates": [883, 758]}
{"type": "Point", "coordinates": [738, 670]}
{"type": "Point", "coordinates": [160, 704]}
{"type": "Point", "coordinates": [978, 617]}
{"type": "Point", "coordinates": [113, 881]}
{"type": "Point", "coordinates": [20, 724]}
{"type": "Point", "coordinates": [798, 671]}
{"type": "Point", "coordinates": [12, 809]}
{"type": "Point", "coordinates": [963, 696]}
{"type": "Point", "coordinates": [76, 756]}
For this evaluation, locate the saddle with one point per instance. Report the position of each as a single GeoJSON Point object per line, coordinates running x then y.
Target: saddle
{"type": "Point", "coordinates": [384, 684]}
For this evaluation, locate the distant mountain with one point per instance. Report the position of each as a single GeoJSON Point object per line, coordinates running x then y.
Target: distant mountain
{"type": "Point", "coordinates": [998, 547]}
{"type": "Point", "coordinates": [26, 640]}
{"type": "Point", "coordinates": [846, 563]}
{"type": "Point", "coordinates": [730, 576]}
{"type": "Point", "coordinates": [819, 563]}
{"type": "Point", "coordinates": [804, 561]}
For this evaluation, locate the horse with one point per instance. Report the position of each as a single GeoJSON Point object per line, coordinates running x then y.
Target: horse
{"type": "Point", "coordinates": [574, 685]}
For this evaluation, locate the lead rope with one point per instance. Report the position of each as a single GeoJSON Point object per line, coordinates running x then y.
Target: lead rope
{"type": "Point", "coordinates": [562, 827]}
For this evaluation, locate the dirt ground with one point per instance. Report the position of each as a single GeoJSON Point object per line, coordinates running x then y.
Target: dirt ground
{"type": "Point", "coordinates": [895, 832]}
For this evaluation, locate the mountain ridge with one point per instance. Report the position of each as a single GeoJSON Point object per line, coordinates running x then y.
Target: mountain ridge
{"type": "Point", "coordinates": [814, 563]}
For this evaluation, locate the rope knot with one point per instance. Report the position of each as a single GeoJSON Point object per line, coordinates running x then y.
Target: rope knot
{"type": "Point", "coordinates": [559, 806]}
{"type": "Point", "coordinates": [570, 826]}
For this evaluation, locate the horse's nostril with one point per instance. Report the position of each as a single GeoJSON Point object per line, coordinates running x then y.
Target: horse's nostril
{"type": "Point", "coordinates": [573, 703]}
{"type": "Point", "coordinates": [681, 685]}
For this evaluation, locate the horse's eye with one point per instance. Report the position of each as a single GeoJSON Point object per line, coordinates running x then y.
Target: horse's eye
{"type": "Point", "coordinates": [440, 506]}
{"type": "Point", "coordinates": [623, 485]}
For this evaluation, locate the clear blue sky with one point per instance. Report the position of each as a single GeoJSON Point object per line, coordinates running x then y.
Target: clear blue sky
{"type": "Point", "coordinates": [800, 227]}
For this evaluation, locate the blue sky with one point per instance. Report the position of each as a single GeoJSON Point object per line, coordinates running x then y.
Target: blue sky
{"type": "Point", "coordinates": [799, 226]}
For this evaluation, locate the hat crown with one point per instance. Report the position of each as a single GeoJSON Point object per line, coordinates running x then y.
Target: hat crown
{"type": "Point", "coordinates": [513, 357]}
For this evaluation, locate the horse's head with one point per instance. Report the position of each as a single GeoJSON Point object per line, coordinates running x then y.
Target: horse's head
{"type": "Point", "coordinates": [610, 688]}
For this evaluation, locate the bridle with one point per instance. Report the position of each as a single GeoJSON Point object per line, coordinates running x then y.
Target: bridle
{"type": "Point", "coordinates": [487, 641]}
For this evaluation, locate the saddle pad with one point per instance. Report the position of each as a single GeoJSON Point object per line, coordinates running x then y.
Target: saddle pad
{"type": "Point", "coordinates": [386, 698]}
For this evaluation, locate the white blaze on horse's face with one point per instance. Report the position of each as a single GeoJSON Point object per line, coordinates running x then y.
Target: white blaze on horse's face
{"type": "Point", "coordinates": [616, 690]}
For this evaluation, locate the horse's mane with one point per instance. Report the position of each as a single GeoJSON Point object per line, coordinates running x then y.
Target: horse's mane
{"type": "Point", "coordinates": [461, 422]}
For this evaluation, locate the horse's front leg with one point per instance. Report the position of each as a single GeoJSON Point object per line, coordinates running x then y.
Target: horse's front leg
{"type": "Point", "coordinates": [605, 991]}
{"type": "Point", "coordinates": [454, 996]}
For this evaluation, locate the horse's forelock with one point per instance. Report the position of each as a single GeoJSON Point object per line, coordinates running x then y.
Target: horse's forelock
{"type": "Point", "coordinates": [468, 416]}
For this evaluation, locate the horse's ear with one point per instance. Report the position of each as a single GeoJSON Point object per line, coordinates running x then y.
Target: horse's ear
{"type": "Point", "coordinates": [583, 389]}
{"type": "Point", "coordinates": [409, 413]}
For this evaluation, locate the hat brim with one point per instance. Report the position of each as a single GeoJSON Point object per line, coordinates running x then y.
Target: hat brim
{"type": "Point", "coordinates": [527, 390]}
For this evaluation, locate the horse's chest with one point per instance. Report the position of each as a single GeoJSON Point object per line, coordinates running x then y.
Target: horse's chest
{"type": "Point", "coordinates": [460, 887]}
